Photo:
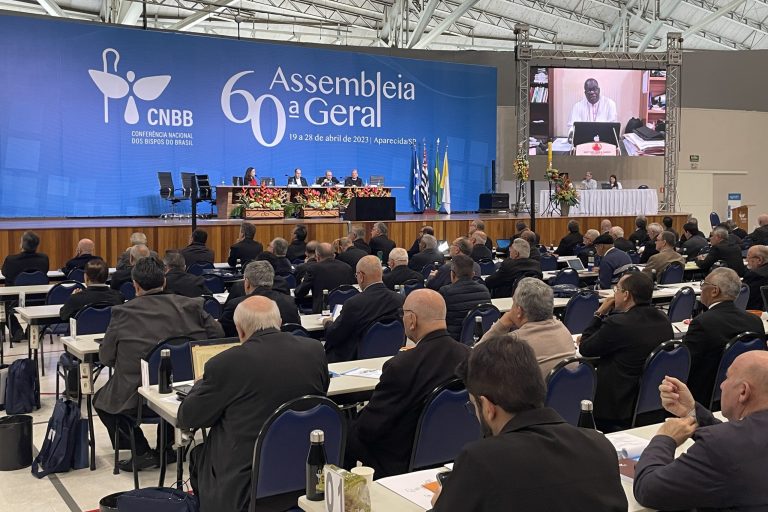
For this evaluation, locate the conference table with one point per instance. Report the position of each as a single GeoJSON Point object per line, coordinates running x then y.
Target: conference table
{"type": "Point", "coordinates": [629, 201]}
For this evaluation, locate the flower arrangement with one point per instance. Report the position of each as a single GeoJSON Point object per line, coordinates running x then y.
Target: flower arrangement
{"type": "Point", "coordinates": [261, 198]}
{"type": "Point", "coordinates": [565, 192]}
{"type": "Point", "coordinates": [321, 199]}
{"type": "Point", "coordinates": [521, 165]}
{"type": "Point", "coordinates": [367, 191]}
{"type": "Point", "coordinates": [553, 174]}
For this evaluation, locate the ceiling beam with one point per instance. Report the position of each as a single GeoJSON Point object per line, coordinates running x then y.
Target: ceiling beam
{"type": "Point", "coordinates": [193, 19]}
{"type": "Point", "coordinates": [447, 22]}
{"type": "Point", "coordinates": [52, 8]}
{"type": "Point", "coordinates": [426, 15]}
{"type": "Point", "coordinates": [130, 15]}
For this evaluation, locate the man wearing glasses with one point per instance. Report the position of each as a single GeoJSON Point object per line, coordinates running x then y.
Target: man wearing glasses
{"type": "Point", "coordinates": [666, 255]}
{"type": "Point", "coordinates": [710, 331]}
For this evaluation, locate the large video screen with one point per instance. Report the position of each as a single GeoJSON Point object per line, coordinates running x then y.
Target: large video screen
{"type": "Point", "coordinates": [598, 112]}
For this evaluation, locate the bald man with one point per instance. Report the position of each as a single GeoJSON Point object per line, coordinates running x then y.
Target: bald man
{"type": "Point", "coordinates": [760, 235]}
{"type": "Point", "coordinates": [757, 275]}
{"type": "Point", "coordinates": [83, 254]}
{"type": "Point", "coordinates": [375, 304]}
{"type": "Point", "coordinates": [382, 435]}
{"type": "Point", "coordinates": [724, 469]}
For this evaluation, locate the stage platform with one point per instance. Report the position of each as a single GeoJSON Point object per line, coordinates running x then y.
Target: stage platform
{"type": "Point", "coordinates": [59, 237]}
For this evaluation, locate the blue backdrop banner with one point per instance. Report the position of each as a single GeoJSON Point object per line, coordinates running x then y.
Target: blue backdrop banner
{"type": "Point", "coordinates": [90, 113]}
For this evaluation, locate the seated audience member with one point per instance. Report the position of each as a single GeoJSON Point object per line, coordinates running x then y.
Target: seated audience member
{"type": "Point", "coordinates": [354, 180]}
{"type": "Point", "coordinates": [326, 274]}
{"type": "Point", "coordinates": [240, 389]}
{"type": "Point", "coordinates": [533, 241]}
{"type": "Point", "coordinates": [180, 282]}
{"type": "Point", "coordinates": [27, 259]}
{"type": "Point", "coordinates": [530, 458]}
{"type": "Point", "coordinates": [517, 266]}
{"type": "Point", "coordinates": [382, 435]}
{"type": "Point", "coordinates": [613, 262]}
{"type": "Point", "coordinates": [664, 257]}
{"type": "Point", "coordinates": [605, 226]}
{"type": "Point", "coordinates": [757, 275]}
{"type": "Point", "coordinates": [279, 247]}
{"type": "Point", "coordinates": [735, 230]}
{"type": "Point", "coordinates": [520, 226]}
{"type": "Point", "coordinates": [619, 242]}
{"type": "Point", "coordinates": [649, 247]}
{"type": "Point", "coordinates": [309, 260]}
{"type": "Point", "coordinates": [196, 251]}
{"type": "Point", "coordinates": [374, 304]}
{"type": "Point", "coordinates": [379, 241]}
{"type": "Point", "coordinates": [724, 250]}
{"type": "Point", "coordinates": [399, 272]}
{"type": "Point", "coordinates": [83, 254]}
{"type": "Point", "coordinates": [349, 253]}
{"type": "Point", "coordinates": [667, 221]}
{"type": "Point", "coordinates": [722, 469]}
{"type": "Point", "coordinates": [136, 327]}
{"type": "Point", "coordinates": [245, 249]}
{"type": "Point", "coordinates": [258, 279]}
{"type": "Point", "coordinates": [587, 249]}
{"type": "Point", "coordinates": [124, 275]}
{"type": "Point", "coordinates": [137, 238]}
{"type": "Point", "coordinates": [414, 250]}
{"type": "Point", "coordinates": [624, 330]}
{"type": "Point", "coordinates": [711, 330]}
{"type": "Point", "coordinates": [760, 235]}
{"type": "Point", "coordinates": [428, 253]}
{"type": "Point", "coordinates": [568, 243]}
{"type": "Point", "coordinates": [531, 320]}
{"type": "Point", "coordinates": [96, 274]}
{"type": "Point", "coordinates": [357, 236]}
{"type": "Point", "coordinates": [692, 241]}
{"type": "Point", "coordinates": [478, 225]}
{"type": "Point", "coordinates": [298, 244]}
{"type": "Point", "coordinates": [640, 235]}
{"type": "Point", "coordinates": [463, 294]}
{"type": "Point", "coordinates": [442, 276]}
{"type": "Point", "coordinates": [479, 250]}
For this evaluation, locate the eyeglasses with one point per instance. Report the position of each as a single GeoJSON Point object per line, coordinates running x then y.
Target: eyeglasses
{"type": "Point", "coordinates": [704, 283]}
{"type": "Point", "coordinates": [617, 289]}
{"type": "Point", "coordinates": [470, 407]}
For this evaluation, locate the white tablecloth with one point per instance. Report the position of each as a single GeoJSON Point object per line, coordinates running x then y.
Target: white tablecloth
{"type": "Point", "coordinates": [610, 202]}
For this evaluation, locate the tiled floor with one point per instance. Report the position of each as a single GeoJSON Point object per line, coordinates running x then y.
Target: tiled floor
{"type": "Point", "coordinates": [77, 490]}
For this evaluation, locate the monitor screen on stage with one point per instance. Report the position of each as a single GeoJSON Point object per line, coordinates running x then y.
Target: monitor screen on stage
{"type": "Point", "coordinates": [598, 112]}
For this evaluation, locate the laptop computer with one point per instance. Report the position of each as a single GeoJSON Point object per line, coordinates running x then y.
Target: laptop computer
{"type": "Point", "coordinates": [444, 247]}
{"type": "Point", "coordinates": [202, 352]}
{"type": "Point", "coordinates": [605, 185]}
{"type": "Point", "coordinates": [576, 264]}
{"type": "Point", "coordinates": [502, 244]}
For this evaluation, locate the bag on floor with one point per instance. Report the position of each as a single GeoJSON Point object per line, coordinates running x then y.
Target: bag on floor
{"type": "Point", "coordinates": [57, 453]}
{"type": "Point", "coordinates": [3, 380]}
{"type": "Point", "coordinates": [70, 367]}
{"type": "Point", "coordinates": [157, 499]}
{"type": "Point", "coordinates": [22, 389]}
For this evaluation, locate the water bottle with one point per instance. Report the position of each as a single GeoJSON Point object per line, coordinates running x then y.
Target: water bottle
{"type": "Point", "coordinates": [586, 418]}
{"type": "Point", "coordinates": [165, 372]}
{"type": "Point", "coordinates": [325, 300]}
{"type": "Point", "coordinates": [315, 463]}
{"type": "Point", "coordinates": [399, 289]}
{"type": "Point", "coordinates": [477, 333]}
{"type": "Point", "coordinates": [590, 262]}
{"type": "Point", "coordinates": [380, 254]}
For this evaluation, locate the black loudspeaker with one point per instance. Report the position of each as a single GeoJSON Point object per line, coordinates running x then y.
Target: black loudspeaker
{"type": "Point", "coordinates": [493, 202]}
{"type": "Point", "coordinates": [370, 208]}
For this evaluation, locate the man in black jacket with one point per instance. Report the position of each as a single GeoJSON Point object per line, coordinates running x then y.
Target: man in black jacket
{"type": "Point", "coordinates": [83, 254]}
{"type": "Point", "coordinates": [298, 245]}
{"type": "Point", "coordinates": [382, 436]}
{"type": "Point", "coordinates": [757, 275]}
{"type": "Point", "coordinates": [530, 458]}
{"type": "Point", "coordinates": [723, 250]}
{"type": "Point", "coordinates": [240, 389]}
{"type": "Point", "coordinates": [517, 266]}
{"type": "Point", "coordinates": [654, 230]}
{"type": "Point", "coordinates": [619, 242]}
{"type": "Point", "coordinates": [463, 295]}
{"type": "Point", "coordinates": [349, 253]}
{"type": "Point", "coordinates": [479, 250]}
{"type": "Point", "coordinates": [357, 236]}
{"type": "Point", "coordinates": [399, 272]}
{"type": "Point", "coordinates": [586, 249]}
{"type": "Point", "coordinates": [180, 282]}
{"type": "Point", "coordinates": [123, 275]}
{"type": "Point", "coordinates": [27, 259]}
{"type": "Point", "coordinates": [760, 235]}
{"type": "Point", "coordinates": [710, 331]}
{"type": "Point", "coordinates": [96, 274]}
{"type": "Point", "coordinates": [442, 277]}
{"type": "Point", "coordinates": [692, 241]}
{"type": "Point", "coordinates": [427, 254]}
{"type": "Point", "coordinates": [414, 250]}
{"type": "Point", "coordinates": [354, 180]}
{"type": "Point", "coordinates": [640, 236]}
{"type": "Point", "coordinates": [245, 249]}
{"type": "Point", "coordinates": [380, 242]}
{"type": "Point", "coordinates": [479, 225]}
{"type": "Point", "coordinates": [568, 243]}
{"type": "Point", "coordinates": [279, 248]}
{"type": "Point", "coordinates": [623, 341]}
{"type": "Point", "coordinates": [375, 304]}
{"type": "Point", "coordinates": [326, 274]}
{"type": "Point", "coordinates": [309, 260]}
{"type": "Point", "coordinates": [196, 251]}
{"type": "Point", "coordinates": [297, 180]}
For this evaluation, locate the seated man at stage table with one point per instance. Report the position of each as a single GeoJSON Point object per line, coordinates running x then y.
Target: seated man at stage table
{"type": "Point", "coordinates": [123, 275]}
{"type": "Point", "coordinates": [723, 250]}
{"type": "Point", "coordinates": [625, 329]}
{"type": "Point", "coordinates": [297, 180]}
{"type": "Point", "coordinates": [723, 469]}
{"type": "Point", "coordinates": [664, 257]}
{"type": "Point", "coordinates": [480, 251]}
{"type": "Point", "coordinates": [613, 261]}
{"type": "Point", "coordinates": [442, 276]}
{"type": "Point", "coordinates": [463, 294]}
{"type": "Point", "coordinates": [298, 244]}
{"type": "Point", "coordinates": [136, 327]}
{"type": "Point", "coordinates": [382, 435]}
{"type": "Point", "coordinates": [478, 225]}
{"type": "Point", "coordinates": [245, 249]}
{"type": "Point", "coordinates": [399, 272]}
{"type": "Point", "coordinates": [380, 242]}
{"type": "Point", "coordinates": [593, 108]}
{"type": "Point", "coordinates": [240, 389]}
{"type": "Point", "coordinates": [530, 459]}
{"type": "Point", "coordinates": [588, 183]}
{"type": "Point", "coordinates": [649, 247]}
{"type": "Point", "coordinates": [327, 180]}
{"type": "Point", "coordinates": [196, 251]}
{"type": "Point", "coordinates": [757, 275]}
{"type": "Point", "coordinates": [83, 254]}
{"type": "Point", "coordinates": [27, 259]}
{"type": "Point", "coordinates": [568, 243]}
{"type": "Point", "coordinates": [326, 274]}
{"type": "Point", "coordinates": [374, 304]}
{"type": "Point", "coordinates": [427, 254]}
{"type": "Point", "coordinates": [354, 180]}
{"type": "Point", "coordinates": [619, 242]}
{"type": "Point", "coordinates": [180, 282]}
{"type": "Point", "coordinates": [96, 274]}
{"type": "Point", "coordinates": [517, 266]}
{"type": "Point", "coordinates": [711, 330]}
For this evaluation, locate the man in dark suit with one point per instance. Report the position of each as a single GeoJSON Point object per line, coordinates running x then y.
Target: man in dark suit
{"type": "Point", "coordinates": [180, 282]}
{"type": "Point", "coordinates": [258, 278]}
{"type": "Point", "coordinates": [667, 221]}
{"type": "Point", "coordinates": [357, 236]}
{"type": "Point", "coordinates": [380, 242]}
{"type": "Point", "coordinates": [374, 304]}
{"type": "Point", "coordinates": [382, 436]}
{"type": "Point", "coordinates": [517, 266]}
{"type": "Point", "coordinates": [710, 331]}
{"type": "Point", "coordinates": [123, 275]}
{"type": "Point", "coordinates": [427, 254]}
{"type": "Point", "coordinates": [245, 249]}
{"type": "Point", "coordinates": [399, 272]}
{"type": "Point", "coordinates": [298, 244]}
{"type": "Point", "coordinates": [354, 180]}
{"type": "Point", "coordinates": [478, 225]}
{"type": "Point", "coordinates": [624, 330]}
{"type": "Point", "coordinates": [297, 180]}
{"type": "Point", "coordinates": [760, 235]}
{"type": "Point", "coordinates": [327, 180]}
{"type": "Point", "coordinates": [462, 295]}
{"type": "Point", "coordinates": [649, 248]}
{"type": "Point", "coordinates": [309, 260]}
{"type": "Point", "coordinates": [586, 249]}
{"type": "Point", "coordinates": [279, 247]}
{"type": "Point", "coordinates": [349, 253]}
{"type": "Point", "coordinates": [137, 238]}
{"type": "Point", "coordinates": [757, 275]}
{"type": "Point", "coordinates": [83, 254]}
{"type": "Point", "coordinates": [568, 243]}
{"type": "Point", "coordinates": [240, 389]}
{"type": "Point", "coordinates": [692, 241]}
{"type": "Point", "coordinates": [613, 262]}
{"type": "Point", "coordinates": [27, 259]}
{"type": "Point", "coordinates": [196, 251]}
{"type": "Point", "coordinates": [533, 241]}
{"type": "Point", "coordinates": [326, 274]}
{"type": "Point", "coordinates": [640, 235]}
{"type": "Point", "coordinates": [722, 470]}
{"type": "Point", "coordinates": [479, 250]}
{"type": "Point", "coordinates": [136, 327]}
{"type": "Point", "coordinates": [442, 277]}
{"type": "Point", "coordinates": [619, 242]}
{"type": "Point", "coordinates": [530, 458]}
{"type": "Point", "coordinates": [723, 250]}
{"type": "Point", "coordinates": [96, 274]}
{"type": "Point", "coordinates": [414, 250]}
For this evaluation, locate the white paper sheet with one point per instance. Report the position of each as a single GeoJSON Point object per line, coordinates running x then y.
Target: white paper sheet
{"type": "Point", "coordinates": [368, 373]}
{"type": "Point", "coordinates": [409, 486]}
{"type": "Point", "coordinates": [627, 445]}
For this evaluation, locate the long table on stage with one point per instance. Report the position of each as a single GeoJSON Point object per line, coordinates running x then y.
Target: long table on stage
{"type": "Point", "coordinates": [629, 201]}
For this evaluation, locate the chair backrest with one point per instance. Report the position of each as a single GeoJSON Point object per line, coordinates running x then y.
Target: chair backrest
{"type": "Point", "coordinates": [340, 294]}
{"type": "Point", "coordinates": [187, 181]}
{"type": "Point", "coordinates": [548, 263]}
{"type": "Point", "coordinates": [579, 311]}
{"type": "Point", "coordinates": [204, 189]}
{"type": "Point", "coordinates": [488, 312]}
{"type": "Point", "coordinates": [197, 268]}
{"type": "Point", "coordinates": [30, 278]}
{"type": "Point", "coordinates": [412, 284]}
{"type": "Point", "coordinates": [444, 427]}
{"type": "Point", "coordinates": [376, 180]}
{"type": "Point", "coordinates": [426, 269]}
{"type": "Point", "coordinates": [268, 181]}
{"type": "Point", "coordinates": [76, 274]}
{"type": "Point", "coordinates": [572, 380]}
{"type": "Point", "coordinates": [181, 358]}
{"type": "Point", "coordinates": [670, 358]}
{"type": "Point", "coordinates": [280, 452]}
{"type": "Point", "coordinates": [634, 257]}
{"type": "Point", "coordinates": [740, 344]}
{"type": "Point", "coordinates": [382, 339]}
{"type": "Point", "coordinates": [128, 291]}
{"type": "Point", "coordinates": [566, 276]}
{"type": "Point", "coordinates": [764, 293]}
{"type": "Point", "coordinates": [290, 279]}
{"type": "Point", "coordinates": [681, 307]}
{"type": "Point", "coordinates": [743, 298]}
{"type": "Point", "coordinates": [212, 306]}
{"type": "Point", "coordinates": [643, 187]}
{"type": "Point", "coordinates": [60, 292]}
{"type": "Point", "coordinates": [487, 267]}
{"type": "Point", "coordinates": [214, 282]}
{"type": "Point", "coordinates": [94, 318]}
{"type": "Point", "coordinates": [296, 330]}
{"type": "Point", "coordinates": [165, 179]}
{"type": "Point", "coordinates": [714, 219]}
{"type": "Point", "coordinates": [672, 274]}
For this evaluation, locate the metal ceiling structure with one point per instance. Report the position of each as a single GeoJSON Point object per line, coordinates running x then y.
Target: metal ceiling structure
{"type": "Point", "coordinates": [590, 25]}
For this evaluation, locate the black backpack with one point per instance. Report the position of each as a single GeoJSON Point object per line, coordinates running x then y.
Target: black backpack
{"type": "Point", "coordinates": [22, 389]}
{"type": "Point", "coordinates": [157, 499]}
{"type": "Point", "coordinates": [58, 452]}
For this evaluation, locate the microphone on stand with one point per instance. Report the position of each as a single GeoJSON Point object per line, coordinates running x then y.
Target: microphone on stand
{"type": "Point", "coordinates": [618, 146]}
